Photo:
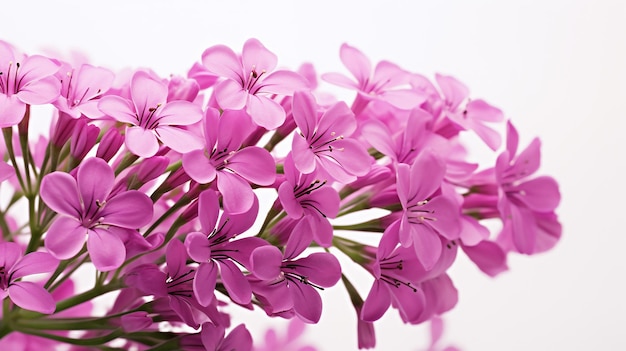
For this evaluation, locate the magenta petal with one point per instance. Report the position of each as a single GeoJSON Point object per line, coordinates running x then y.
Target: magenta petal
{"type": "Point", "coordinates": [306, 302]}
{"type": "Point", "coordinates": [352, 156]}
{"type": "Point", "coordinates": [176, 258]}
{"type": "Point", "coordinates": [305, 112]}
{"type": "Point", "coordinates": [524, 232]}
{"type": "Point", "coordinates": [119, 108]}
{"type": "Point", "coordinates": [357, 63]}
{"type": "Point", "coordinates": [265, 112]}
{"type": "Point", "coordinates": [60, 192]}
{"type": "Point", "coordinates": [322, 230]}
{"type": "Point", "coordinates": [338, 119]}
{"type": "Point", "coordinates": [239, 339]}
{"type": "Point", "coordinates": [131, 209]}
{"type": "Point", "coordinates": [540, 194]}
{"type": "Point", "coordinates": [179, 139]}
{"type": "Point", "coordinates": [12, 110]}
{"type": "Point", "coordinates": [147, 92]}
{"type": "Point", "coordinates": [237, 195]}
{"type": "Point", "coordinates": [65, 237]}
{"type": "Point", "coordinates": [223, 61]}
{"type": "Point", "coordinates": [410, 302]}
{"type": "Point", "coordinates": [300, 238]}
{"type": "Point", "coordinates": [106, 250]}
{"type": "Point", "coordinates": [377, 302]}
{"type": "Point", "coordinates": [180, 113]}
{"type": "Point", "coordinates": [427, 174]}
{"type": "Point", "coordinates": [31, 296]}
{"type": "Point", "coordinates": [283, 83]}
{"type": "Point", "coordinates": [34, 263]}
{"type": "Point", "coordinates": [9, 254]}
{"type": "Point", "coordinates": [208, 210]}
{"type": "Point", "coordinates": [198, 167]}
{"type": "Point", "coordinates": [265, 262]}
{"type": "Point", "coordinates": [231, 95]}
{"type": "Point", "coordinates": [204, 282]}
{"type": "Point", "coordinates": [289, 201]}
{"type": "Point", "coordinates": [255, 56]}
{"type": "Point", "coordinates": [379, 136]}
{"type": "Point", "coordinates": [235, 282]}
{"type": "Point", "coordinates": [403, 98]}
{"type": "Point", "coordinates": [254, 164]}
{"type": "Point", "coordinates": [40, 92]}
{"type": "Point", "coordinates": [321, 268]}
{"type": "Point", "coordinates": [198, 247]}
{"type": "Point", "coordinates": [488, 135]}
{"type": "Point", "coordinates": [427, 245]}
{"type": "Point", "coordinates": [340, 80]}
{"type": "Point", "coordinates": [36, 67]}
{"type": "Point", "coordinates": [95, 180]}
{"type": "Point", "coordinates": [234, 127]}
{"type": "Point", "coordinates": [447, 222]}
{"type": "Point", "coordinates": [211, 336]}
{"type": "Point", "coordinates": [488, 256]}
{"type": "Point", "coordinates": [303, 156]}
{"type": "Point", "coordinates": [141, 142]}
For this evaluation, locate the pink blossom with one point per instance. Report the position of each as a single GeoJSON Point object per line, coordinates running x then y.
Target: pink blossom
{"type": "Point", "coordinates": [14, 266]}
{"type": "Point", "coordinates": [81, 88]}
{"type": "Point", "coordinates": [214, 248]}
{"type": "Point", "coordinates": [24, 80]}
{"type": "Point", "coordinates": [427, 213]}
{"type": "Point", "coordinates": [87, 208]}
{"type": "Point", "coordinates": [214, 339]}
{"type": "Point", "coordinates": [224, 159]}
{"type": "Point", "coordinates": [303, 195]}
{"type": "Point", "coordinates": [524, 199]}
{"type": "Point", "coordinates": [249, 81]}
{"type": "Point", "coordinates": [385, 83]}
{"type": "Point", "coordinates": [286, 284]}
{"type": "Point", "coordinates": [152, 118]}
{"type": "Point", "coordinates": [324, 143]}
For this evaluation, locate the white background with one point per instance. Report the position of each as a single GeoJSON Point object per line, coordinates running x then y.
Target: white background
{"type": "Point", "coordinates": [557, 68]}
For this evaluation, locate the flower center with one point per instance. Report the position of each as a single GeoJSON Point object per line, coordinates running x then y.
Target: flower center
{"type": "Point", "coordinates": [148, 120]}
{"type": "Point", "coordinates": [181, 285]}
{"type": "Point", "coordinates": [253, 79]}
{"type": "Point", "coordinates": [418, 215]}
{"type": "Point", "coordinates": [4, 279]}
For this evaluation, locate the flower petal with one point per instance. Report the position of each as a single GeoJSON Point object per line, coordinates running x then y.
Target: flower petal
{"type": "Point", "coordinates": [204, 282]}
{"type": "Point", "coordinates": [147, 92]}
{"type": "Point", "coordinates": [95, 180]}
{"type": "Point", "coordinates": [254, 164]}
{"type": "Point", "coordinates": [198, 247]}
{"type": "Point", "coordinates": [198, 167]}
{"type": "Point", "coordinates": [119, 108]}
{"type": "Point", "coordinates": [12, 110]}
{"type": "Point", "coordinates": [237, 195]}
{"type": "Point", "coordinates": [377, 302]}
{"type": "Point", "coordinates": [255, 56]}
{"type": "Point", "coordinates": [34, 263]}
{"type": "Point", "coordinates": [265, 262]}
{"type": "Point", "coordinates": [31, 296]}
{"type": "Point", "coordinates": [106, 250]}
{"type": "Point", "coordinates": [223, 61]}
{"type": "Point", "coordinates": [65, 237]}
{"type": "Point", "coordinates": [131, 209]}
{"type": "Point", "coordinates": [265, 112]}
{"type": "Point", "coordinates": [357, 63]}
{"type": "Point", "coordinates": [141, 142]}
{"type": "Point", "coordinates": [179, 139]}
{"type": "Point", "coordinates": [235, 282]}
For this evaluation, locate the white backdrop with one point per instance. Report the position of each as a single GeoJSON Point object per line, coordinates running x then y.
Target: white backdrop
{"type": "Point", "coordinates": [556, 68]}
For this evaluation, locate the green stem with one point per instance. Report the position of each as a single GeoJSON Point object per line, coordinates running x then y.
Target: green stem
{"type": "Point", "coordinates": [85, 342]}
{"type": "Point", "coordinates": [373, 225]}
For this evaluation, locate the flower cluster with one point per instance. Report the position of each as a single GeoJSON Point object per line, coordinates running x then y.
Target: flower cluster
{"type": "Point", "coordinates": [155, 184]}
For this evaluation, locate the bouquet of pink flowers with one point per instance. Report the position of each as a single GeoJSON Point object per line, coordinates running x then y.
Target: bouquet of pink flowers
{"type": "Point", "coordinates": [154, 184]}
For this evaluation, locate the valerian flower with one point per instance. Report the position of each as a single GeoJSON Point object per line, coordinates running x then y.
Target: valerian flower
{"type": "Point", "coordinates": [427, 212]}
{"type": "Point", "coordinates": [387, 82]}
{"type": "Point", "coordinates": [88, 209]}
{"type": "Point", "coordinates": [24, 80]}
{"type": "Point", "coordinates": [324, 143]}
{"type": "Point", "coordinates": [286, 284]}
{"type": "Point", "coordinates": [215, 249]}
{"type": "Point", "coordinates": [250, 81]}
{"type": "Point", "coordinates": [526, 204]}
{"type": "Point", "coordinates": [14, 266]}
{"type": "Point", "coordinates": [151, 118]}
{"type": "Point", "coordinates": [223, 158]}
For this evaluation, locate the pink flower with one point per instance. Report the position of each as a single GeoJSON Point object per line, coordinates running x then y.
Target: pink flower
{"type": "Point", "coordinates": [223, 159]}
{"type": "Point", "coordinates": [87, 208]}
{"type": "Point", "coordinates": [215, 250]}
{"type": "Point", "coordinates": [399, 276]}
{"type": "Point", "coordinates": [385, 83]}
{"type": "Point", "coordinates": [285, 284]}
{"type": "Point", "coordinates": [14, 266]}
{"type": "Point", "coordinates": [324, 143]}
{"type": "Point", "coordinates": [289, 341]}
{"type": "Point", "coordinates": [525, 202]}
{"type": "Point", "coordinates": [249, 79]}
{"type": "Point", "coordinates": [24, 80]}
{"type": "Point", "coordinates": [474, 115]}
{"type": "Point", "coordinates": [303, 195]}
{"type": "Point", "coordinates": [427, 213]}
{"type": "Point", "coordinates": [152, 118]}
{"type": "Point", "coordinates": [81, 89]}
